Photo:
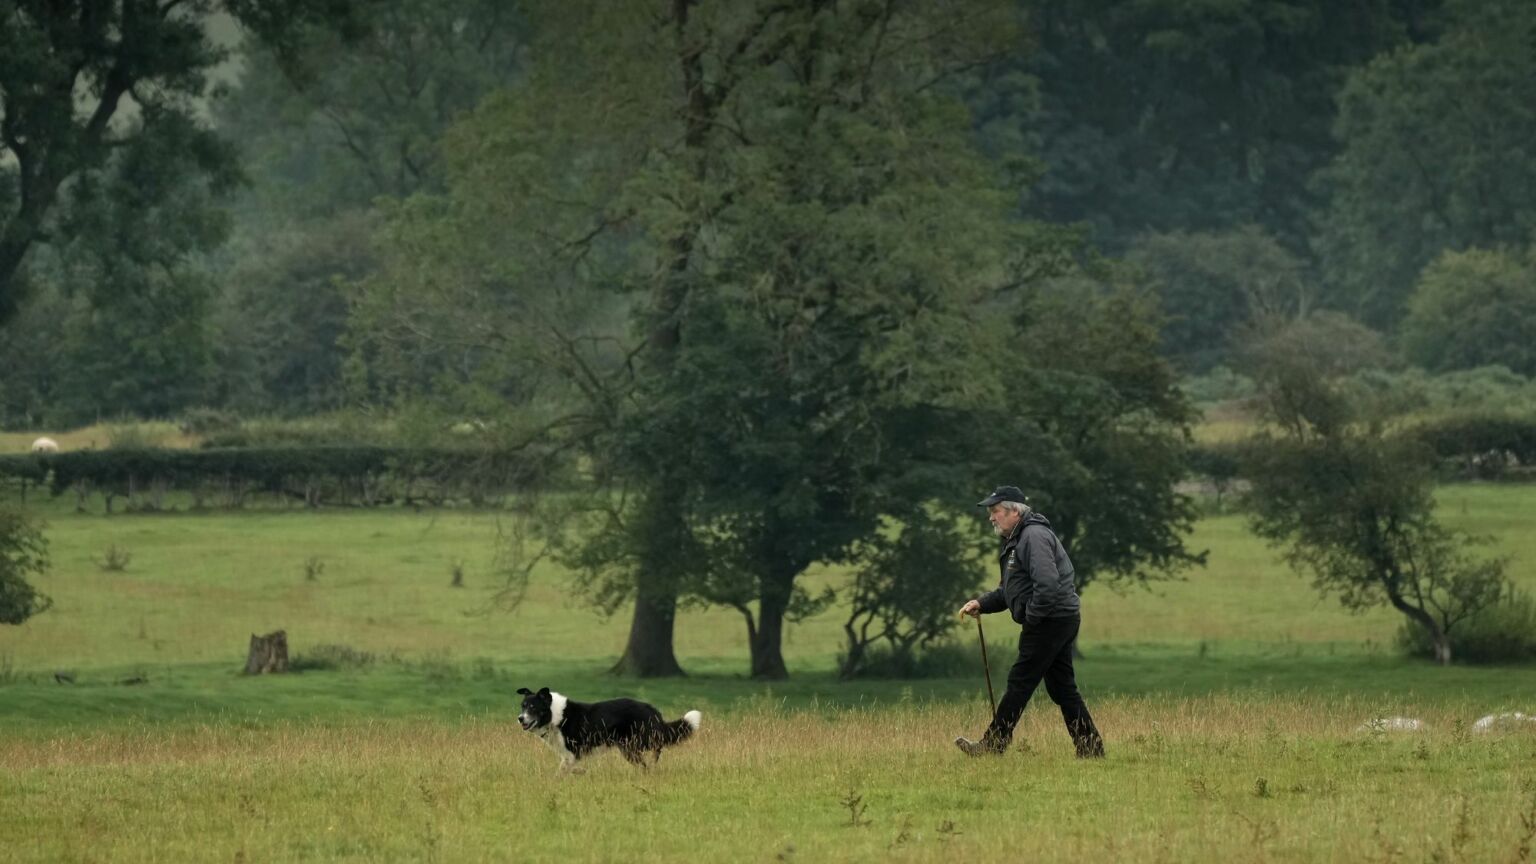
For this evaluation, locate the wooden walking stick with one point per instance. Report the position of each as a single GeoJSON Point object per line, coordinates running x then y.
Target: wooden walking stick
{"type": "Point", "coordinates": [985, 667]}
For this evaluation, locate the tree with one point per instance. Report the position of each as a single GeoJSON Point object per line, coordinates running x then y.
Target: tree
{"type": "Point", "coordinates": [819, 273]}
{"type": "Point", "coordinates": [83, 79]}
{"type": "Point", "coordinates": [1474, 308]}
{"type": "Point", "coordinates": [134, 339]}
{"type": "Point", "coordinates": [279, 320]}
{"type": "Point", "coordinates": [327, 121]}
{"type": "Point", "coordinates": [23, 553]}
{"type": "Point", "coordinates": [650, 166]}
{"type": "Point", "coordinates": [1183, 115]}
{"type": "Point", "coordinates": [1434, 143]}
{"type": "Point", "coordinates": [835, 209]}
{"type": "Point", "coordinates": [139, 350]}
{"type": "Point", "coordinates": [1351, 504]}
{"type": "Point", "coordinates": [1216, 285]}
{"type": "Point", "coordinates": [904, 586]}
{"type": "Point", "coordinates": [29, 354]}
{"type": "Point", "coordinates": [507, 297]}
{"type": "Point", "coordinates": [149, 53]}
{"type": "Point", "coordinates": [1094, 426]}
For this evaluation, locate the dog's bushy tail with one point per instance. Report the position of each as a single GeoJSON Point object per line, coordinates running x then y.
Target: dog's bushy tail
{"type": "Point", "coordinates": [680, 730]}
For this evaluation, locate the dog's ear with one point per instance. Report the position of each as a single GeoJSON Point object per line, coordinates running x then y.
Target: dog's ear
{"type": "Point", "coordinates": [524, 691]}
{"type": "Point", "coordinates": [543, 691]}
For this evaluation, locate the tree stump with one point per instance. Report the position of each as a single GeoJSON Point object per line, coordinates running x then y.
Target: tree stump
{"type": "Point", "coordinates": [269, 653]}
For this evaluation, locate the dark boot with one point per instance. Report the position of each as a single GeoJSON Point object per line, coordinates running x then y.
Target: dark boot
{"type": "Point", "coordinates": [1086, 738]}
{"type": "Point", "coordinates": [1089, 747]}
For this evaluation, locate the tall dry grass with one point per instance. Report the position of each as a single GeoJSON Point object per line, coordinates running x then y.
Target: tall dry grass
{"type": "Point", "coordinates": [1200, 779]}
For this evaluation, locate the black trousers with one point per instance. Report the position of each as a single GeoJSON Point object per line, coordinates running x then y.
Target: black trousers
{"type": "Point", "coordinates": [1045, 653]}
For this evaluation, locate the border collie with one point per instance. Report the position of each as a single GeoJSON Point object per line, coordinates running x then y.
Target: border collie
{"type": "Point", "coordinates": [575, 729]}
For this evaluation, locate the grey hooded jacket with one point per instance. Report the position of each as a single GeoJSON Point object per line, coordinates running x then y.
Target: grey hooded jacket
{"type": "Point", "coordinates": [1037, 576]}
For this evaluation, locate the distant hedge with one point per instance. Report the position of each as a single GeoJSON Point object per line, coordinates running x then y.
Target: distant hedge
{"type": "Point", "coordinates": [346, 476]}
{"type": "Point", "coordinates": [1485, 446]}
{"type": "Point", "coordinates": [1464, 436]}
{"type": "Point", "coordinates": [1220, 463]}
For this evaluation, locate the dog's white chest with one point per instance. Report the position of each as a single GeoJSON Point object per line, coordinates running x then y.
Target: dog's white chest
{"type": "Point", "coordinates": [555, 739]}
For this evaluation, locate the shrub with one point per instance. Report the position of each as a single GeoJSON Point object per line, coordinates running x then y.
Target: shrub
{"type": "Point", "coordinates": [1221, 384]}
{"type": "Point", "coordinates": [1474, 308]}
{"type": "Point", "coordinates": [23, 553]}
{"type": "Point", "coordinates": [902, 594]}
{"type": "Point", "coordinates": [360, 474]}
{"type": "Point", "coordinates": [940, 660]}
{"type": "Point", "coordinates": [206, 421]}
{"type": "Point", "coordinates": [328, 657]}
{"type": "Point", "coordinates": [1504, 632]}
{"type": "Point", "coordinates": [1467, 436]}
{"type": "Point", "coordinates": [115, 559]}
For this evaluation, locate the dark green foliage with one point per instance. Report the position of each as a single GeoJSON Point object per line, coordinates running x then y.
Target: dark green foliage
{"type": "Point", "coordinates": [353, 476]}
{"type": "Point", "coordinates": [1349, 504]}
{"type": "Point", "coordinates": [1488, 390]}
{"type": "Point", "coordinates": [943, 659]}
{"type": "Point", "coordinates": [1219, 465]}
{"type": "Point", "coordinates": [905, 586]}
{"type": "Point", "coordinates": [112, 189]}
{"type": "Point", "coordinates": [799, 229]}
{"type": "Point", "coordinates": [1217, 286]}
{"type": "Point", "coordinates": [1218, 462]}
{"type": "Point", "coordinates": [1474, 308]}
{"type": "Point", "coordinates": [32, 468]}
{"type": "Point", "coordinates": [281, 315]}
{"type": "Point", "coordinates": [1184, 115]}
{"type": "Point", "coordinates": [333, 118]}
{"type": "Point", "coordinates": [1091, 423]}
{"type": "Point", "coordinates": [1481, 445]}
{"type": "Point", "coordinates": [1308, 373]}
{"type": "Point", "coordinates": [66, 70]}
{"type": "Point", "coordinates": [1435, 156]}
{"type": "Point", "coordinates": [23, 554]}
{"type": "Point", "coordinates": [1502, 632]}
{"type": "Point", "coordinates": [330, 657]}
{"type": "Point", "coordinates": [1356, 513]}
{"type": "Point", "coordinates": [207, 421]}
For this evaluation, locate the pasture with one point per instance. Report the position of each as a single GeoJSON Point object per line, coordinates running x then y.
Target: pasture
{"type": "Point", "coordinates": [1232, 704]}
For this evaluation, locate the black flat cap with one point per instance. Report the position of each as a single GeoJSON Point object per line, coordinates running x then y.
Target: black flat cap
{"type": "Point", "coordinates": [1003, 493]}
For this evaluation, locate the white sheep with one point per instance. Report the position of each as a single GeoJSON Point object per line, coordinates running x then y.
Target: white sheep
{"type": "Point", "coordinates": [45, 445]}
{"type": "Point", "coordinates": [1507, 720]}
{"type": "Point", "coordinates": [1392, 724]}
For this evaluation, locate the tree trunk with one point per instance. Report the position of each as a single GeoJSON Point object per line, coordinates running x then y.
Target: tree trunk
{"type": "Point", "coordinates": [1437, 635]}
{"type": "Point", "coordinates": [269, 653]}
{"type": "Point", "coordinates": [855, 656]}
{"type": "Point", "coordinates": [649, 653]}
{"type": "Point", "coordinates": [767, 642]}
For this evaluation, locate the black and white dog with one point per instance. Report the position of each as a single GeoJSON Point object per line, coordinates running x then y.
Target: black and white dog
{"type": "Point", "coordinates": [575, 729]}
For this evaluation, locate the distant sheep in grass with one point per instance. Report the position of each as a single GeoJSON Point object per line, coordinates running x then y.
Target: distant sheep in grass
{"type": "Point", "coordinates": [1392, 724]}
{"type": "Point", "coordinates": [1507, 720]}
{"type": "Point", "coordinates": [45, 445]}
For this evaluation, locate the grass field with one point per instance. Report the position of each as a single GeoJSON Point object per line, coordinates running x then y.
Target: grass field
{"type": "Point", "coordinates": [1206, 779]}
{"type": "Point", "coordinates": [100, 436]}
{"type": "Point", "coordinates": [1232, 703]}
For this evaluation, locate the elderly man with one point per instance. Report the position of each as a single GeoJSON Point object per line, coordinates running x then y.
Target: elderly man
{"type": "Point", "coordinates": [1038, 590]}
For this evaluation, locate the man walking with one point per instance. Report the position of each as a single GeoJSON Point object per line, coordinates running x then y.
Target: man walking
{"type": "Point", "coordinates": [1037, 588]}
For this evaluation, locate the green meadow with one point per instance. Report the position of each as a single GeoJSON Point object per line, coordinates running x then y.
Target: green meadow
{"type": "Point", "coordinates": [1232, 701]}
